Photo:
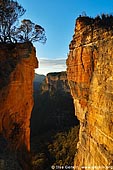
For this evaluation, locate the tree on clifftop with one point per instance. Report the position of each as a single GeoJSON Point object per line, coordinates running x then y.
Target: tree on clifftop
{"type": "Point", "coordinates": [28, 31]}
{"type": "Point", "coordinates": [10, 11]}
{"type": "Point", "coordinates": [10, 32]}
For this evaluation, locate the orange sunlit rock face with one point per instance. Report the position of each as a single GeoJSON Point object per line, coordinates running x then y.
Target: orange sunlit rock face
{"type": "Point", "coordinates": [17, 63]}
{"type": "Point", "coordinates": [90, 76]}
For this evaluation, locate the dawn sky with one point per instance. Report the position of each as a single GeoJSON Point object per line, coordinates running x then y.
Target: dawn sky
{"type": "Point", "coordinates": [58, 19]}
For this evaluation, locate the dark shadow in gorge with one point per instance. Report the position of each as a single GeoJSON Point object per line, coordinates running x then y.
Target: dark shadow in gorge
{"type": "Point", "coordinates": [54, 128]}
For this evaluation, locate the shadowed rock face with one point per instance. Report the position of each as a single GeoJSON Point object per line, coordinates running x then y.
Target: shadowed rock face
{"type": "Point", "coordinates": [54, 128]}
{"type": "Point", "coordinates": [17, 63]}
{"type": "Point", "coordinates": [53, 106]}
{"type": "Point", "coordinates": [90, 76]}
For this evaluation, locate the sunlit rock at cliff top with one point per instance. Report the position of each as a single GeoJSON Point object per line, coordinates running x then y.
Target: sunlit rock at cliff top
{"type": "Point", "coordinates": [90, 76]}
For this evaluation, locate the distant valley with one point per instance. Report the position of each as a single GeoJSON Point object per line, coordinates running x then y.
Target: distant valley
{"type": "Point", "coordinates": [52, 119]}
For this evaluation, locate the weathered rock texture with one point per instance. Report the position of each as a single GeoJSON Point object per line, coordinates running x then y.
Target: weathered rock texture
{"type": "Point", "coordinates": [53, 106]}
{"type": "Point", "coordinates": [56, 82]}
{"type": "Point", "coordinates": [17, 63]}
{"type": "Point", "coordinates": [90, 75]}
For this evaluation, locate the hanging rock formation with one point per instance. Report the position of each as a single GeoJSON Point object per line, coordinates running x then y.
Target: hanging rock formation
{"type": "Point", "coordinates": [90, 76]}
{"type": "Point", "coordinates": [17, 63]}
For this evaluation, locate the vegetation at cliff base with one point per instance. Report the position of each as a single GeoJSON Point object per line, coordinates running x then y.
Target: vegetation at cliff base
{"type": "Point", "coordinates": [54, 127]}
{"type": "Point", "coordinates": [11, 31]}
{"type": "Point", "coordinates": [55, 149]}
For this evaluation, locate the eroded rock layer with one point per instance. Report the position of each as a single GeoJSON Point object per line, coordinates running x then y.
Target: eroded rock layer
{"type": "Point", "coordinates": [54, 82]}
{"type": "Point", "coordinates": [17, 63]}
{"type": "Point", "coordinates": [90, 76]}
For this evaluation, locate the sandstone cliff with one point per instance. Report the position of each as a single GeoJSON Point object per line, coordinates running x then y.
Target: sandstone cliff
{"type": "Point", "coordinates": [90, 76]}
{"type": "Point", "coordinates": [55, 82]}
{"type": "Point", "coordinates": [17, 63]}
{"type": "Point", "coordinates": [53, 106]}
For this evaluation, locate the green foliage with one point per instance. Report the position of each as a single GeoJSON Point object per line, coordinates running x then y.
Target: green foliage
{"type": "Point", "coordinates": [29, 31]}
{"type": "Point", "coordinates": [10, 12]}
{"type": "Point", "coordinates": [103, 21]}
{"type": "Point", "coordinates": [58, 149]}
{"type": "Point", "coordinates": [63, 148]}
{"type": "Point", "coordinates": [39, 161]}
{"type": "Point", "coordinates": [54, 130]}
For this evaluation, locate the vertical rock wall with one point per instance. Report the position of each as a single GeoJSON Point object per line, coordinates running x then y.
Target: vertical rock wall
{"type": "Point", "coordinates": [54, 82]}
{"type": "Point", "coordinates": [17, 63]}
{"type": "Point", "coordinates": [90, 76]}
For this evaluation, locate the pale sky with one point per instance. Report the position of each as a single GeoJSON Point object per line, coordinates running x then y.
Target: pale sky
{"type": "Point", "coordinates": [58, 19]}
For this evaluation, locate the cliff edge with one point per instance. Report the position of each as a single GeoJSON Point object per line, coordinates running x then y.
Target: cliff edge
{"type": "Point", "coordinates": [54, 82]}
{"type": "Point", "coordinates": [90, 76]}
{"type": "Point", "coordinates": [17, 63]}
